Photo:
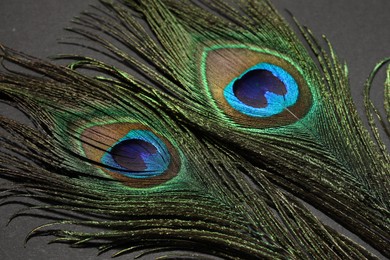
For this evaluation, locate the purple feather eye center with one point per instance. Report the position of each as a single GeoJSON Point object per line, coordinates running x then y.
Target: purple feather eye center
{"type": "Point", "coordinates": [139, 154]}
{"type": "Point", "coordinates": [131, 154]}
{"type": "Point", "coordinates": [251, 88]}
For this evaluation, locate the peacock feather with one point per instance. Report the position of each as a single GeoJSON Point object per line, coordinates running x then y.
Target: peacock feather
{"type": "Point", "coordinates": [205, 129]}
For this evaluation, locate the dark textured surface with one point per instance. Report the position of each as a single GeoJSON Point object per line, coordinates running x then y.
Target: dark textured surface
{"type": "Point", "coordinates": [358, 30]}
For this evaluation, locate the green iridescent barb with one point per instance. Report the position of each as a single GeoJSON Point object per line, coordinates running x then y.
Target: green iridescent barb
{"type": "Point", "coordinates": [226, 125]}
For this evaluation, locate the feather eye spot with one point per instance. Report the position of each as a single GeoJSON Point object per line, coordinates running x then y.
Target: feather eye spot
{"type": "Point", "coordinates": [131, 153]}
{"type": "Point", "coordinates": [140, 154]}
{"type": "Point", "coordinates": [262, 91]}
{"type": "Point", "coordinates": [255, 88]}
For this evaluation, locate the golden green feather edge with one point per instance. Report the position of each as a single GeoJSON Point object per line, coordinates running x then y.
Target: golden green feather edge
{"type": "Point", "coordinates": [230, 199]}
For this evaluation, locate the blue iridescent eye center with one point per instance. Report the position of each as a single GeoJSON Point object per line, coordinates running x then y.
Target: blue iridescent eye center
{"type": "Point", "coordinates": [139, 154]}
{"type": "Point", "coordinates": [263, 90]}
{"type": "Point", "coordinates": [253, 85]}
{"type": "Point", "coordinates": [131, 154]}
